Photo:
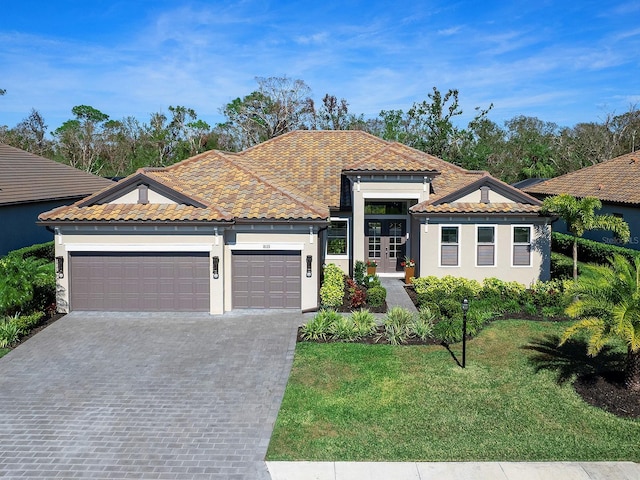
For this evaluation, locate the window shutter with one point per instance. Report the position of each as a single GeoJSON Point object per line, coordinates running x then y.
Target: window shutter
{"type": "Point", "coordinates": [449, 255]}
{"type": "Point", "coordinates": [486, 255]}
{"type": "Point", "coordinates": [522, 254]}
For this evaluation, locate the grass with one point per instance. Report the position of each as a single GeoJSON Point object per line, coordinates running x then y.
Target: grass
{"type": "Point", "coordinates": [514, 401]}
{"type": "Point", "coordinates": [4, 351]}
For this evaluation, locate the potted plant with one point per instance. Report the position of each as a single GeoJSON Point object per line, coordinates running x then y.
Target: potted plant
{"type": "Point", "coordinates": [409, 265]}
{"type": "Point", "coordinates": [371, 267]}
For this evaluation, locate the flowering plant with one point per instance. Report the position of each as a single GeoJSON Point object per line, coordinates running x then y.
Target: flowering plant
{"type": "Point", "coordinates": [408, 262]}
{"type": "Point", "coordinates": [371, 263]}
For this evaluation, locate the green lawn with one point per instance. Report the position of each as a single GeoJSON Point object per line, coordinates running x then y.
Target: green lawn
{"type": "Point", "coordinates": [383, 403]}
{"type": "Point", "coordinates": [4, 351]}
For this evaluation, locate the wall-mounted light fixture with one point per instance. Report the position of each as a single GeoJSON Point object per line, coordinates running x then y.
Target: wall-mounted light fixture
{"type": "Point", "coordinates": [216, 265]}
{"type": "Point", "coordinates": [60, 267]}
{"type": "Point", "coordinates": [309, 261]}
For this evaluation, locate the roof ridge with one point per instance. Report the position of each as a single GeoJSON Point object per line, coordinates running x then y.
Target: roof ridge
{"type": "Point", "coordinates": [403, 146]}
{"type": "Point", "coordinates": [311, 204]}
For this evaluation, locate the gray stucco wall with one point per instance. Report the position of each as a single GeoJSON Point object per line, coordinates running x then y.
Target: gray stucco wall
{"type": "Point", "coordinates": [18, 226]}
{"type": "Point", "coordinates": [629, 214]}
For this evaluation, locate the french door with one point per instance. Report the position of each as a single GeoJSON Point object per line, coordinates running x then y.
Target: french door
{"type": "Point", "coordinates": [385, 242]}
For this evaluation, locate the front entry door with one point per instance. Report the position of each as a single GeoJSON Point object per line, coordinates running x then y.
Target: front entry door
{"type": "Point", "coordinates": [385, 242]}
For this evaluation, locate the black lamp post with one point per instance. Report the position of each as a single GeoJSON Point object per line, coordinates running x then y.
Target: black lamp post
{"type": "Point", "coordinates": [465, 309]}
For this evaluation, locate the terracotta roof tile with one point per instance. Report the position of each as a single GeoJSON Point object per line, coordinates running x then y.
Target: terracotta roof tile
{"type": "Point", "coordinates": [296, 176]}
{"type": "Point", "coordinates": [615, 180]}
{"type": "Point", "coordinates": [493, 208]}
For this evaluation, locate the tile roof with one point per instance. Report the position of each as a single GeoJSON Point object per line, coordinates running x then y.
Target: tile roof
{"type": "Point", "coordinates": [25, 177]}
{"type": "Point", "coordinates": [615, 180]}
{"type": "Point", "coordinates": [464, 207]}
{"type": "Point", "coordinates": [296, 176]}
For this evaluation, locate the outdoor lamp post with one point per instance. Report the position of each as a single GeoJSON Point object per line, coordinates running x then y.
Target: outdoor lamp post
{"type": "Point", "coordinates": [465, 309]}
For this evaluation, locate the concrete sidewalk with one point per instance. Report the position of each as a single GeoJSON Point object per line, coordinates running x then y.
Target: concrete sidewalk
{"type": "Point", "coordinates": [454, 471]}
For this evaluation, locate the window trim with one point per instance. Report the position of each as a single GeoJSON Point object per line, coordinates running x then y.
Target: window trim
{"type": "Point", "coordinates": [495, 245]}
{"type": "Point", "coordinates": [513, 244]}
{"type": "Point", "coordinates": [341, 256]}
{"type": "Point", "coordinates": [440, 243]}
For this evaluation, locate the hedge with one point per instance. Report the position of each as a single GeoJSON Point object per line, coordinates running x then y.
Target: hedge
{"type": "Point", "coordinates": [589, 251]}
{"type": "Point", "coordinates": [41, 250]}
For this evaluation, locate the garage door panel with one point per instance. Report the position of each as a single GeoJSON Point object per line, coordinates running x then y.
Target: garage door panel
{"type": "Point", "coordinates": [266, 279]}
{"type": "Point", "coordinates": [139, 281]}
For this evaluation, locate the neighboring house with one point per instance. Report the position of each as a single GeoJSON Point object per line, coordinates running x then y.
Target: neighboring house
{"type": "Point", "coordinates": [223, 231]}
{"type": "Point", "coordinates": [615, 182]}
{"type": "Point", "coordinates": [29, 185]}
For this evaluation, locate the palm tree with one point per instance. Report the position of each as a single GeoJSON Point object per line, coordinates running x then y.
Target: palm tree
{"type": "Point", "coordinates": [580, 216]}
{"type": "Point", "coordinates": [607, 307]}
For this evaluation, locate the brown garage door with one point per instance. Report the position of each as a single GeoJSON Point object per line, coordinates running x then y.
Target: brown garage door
{"type": "Point", "coordinates": [266, 279]}
{"type": "Point", "coordinates": [125, 282]}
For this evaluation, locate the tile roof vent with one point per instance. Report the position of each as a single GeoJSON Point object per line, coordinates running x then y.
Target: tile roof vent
{"type": "Point", "coordinates": [143, 194]}
{"type": "Point", "coordinates": [484, 194]}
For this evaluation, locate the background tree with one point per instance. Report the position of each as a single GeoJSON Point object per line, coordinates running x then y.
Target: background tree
{"type": "Point", "coordinates": [333, 114]}
{"type": "Point", "coordinates": [280, 105]}
{"type": "Point", "coordinates": [580, 216]}
{"type": "Point", "coordinates": [80, 139]}
{"type": "Point", "coordinates": [429, 126]}
{"type": "Point", "coordinates": [607, 307]}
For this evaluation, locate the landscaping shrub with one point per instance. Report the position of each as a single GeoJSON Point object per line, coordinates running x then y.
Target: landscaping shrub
{"type": "Point", "coordinates": [332, 290]}
{"type": "Point", "coordinates": [318, 328]}
{"type": "Point", "coordinates": [357, 294]}
{"type": "Point", "coordinates": [359, 272]}
{"type": "Point", "coordinates": [422, 325]}
{"type": "Point", "coordinates": [343, 328]}
{"type": "Point", "coordinates": [9, 333]}
{"type": "Point", "coordinates": [364, 322]}
{"type": "Point", "coordinates": [449, 307]}
{"type": "Point", "coordinates": [448, 330]}
{"type": "Point", "coordinates": [496, 289]}
{"type": "Point", "coordinates": [23, 280]}
{"type": "Point", "coordinates": [562, 266]}
{"type": "Point", "coordinates": [397, 325]}
{"type": "Point", "coordinates": [371, 281]}
{"type": "Point", "coordinates": [28, 322]}
{"type": "Point", "coordinates": [45, 251]}
{"type": "Point", "coordinates": [376, 296]}
{"type": "Point", "coordinates": [589, 250]}
{"type": "Point", "coordinates": [433, 289]}
{"type": "Point", "coordinates": [548, 294]}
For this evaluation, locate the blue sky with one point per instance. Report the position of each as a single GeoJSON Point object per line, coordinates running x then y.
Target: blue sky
{"type": "Point", "coordinates": [561, 61]}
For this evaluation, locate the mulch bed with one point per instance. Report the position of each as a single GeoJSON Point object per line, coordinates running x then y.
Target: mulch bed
{"type": "Point", "coordinates": [607, 391]}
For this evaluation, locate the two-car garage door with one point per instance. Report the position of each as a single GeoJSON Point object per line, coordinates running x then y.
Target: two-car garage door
{"type": "Point", "coordinates": [143, 282]}
{"type": "Point", "coordinates": [180, 281]}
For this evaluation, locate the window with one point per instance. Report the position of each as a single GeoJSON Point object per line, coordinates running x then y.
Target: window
{"type": "Point", "coordinates": [522, 246]}
{"type": "Point", "coordinates": [449, 246]}
{"type": "Point", "coordinates": [337, 237]}
{"type": "Point", "coordinates": [486, 246]}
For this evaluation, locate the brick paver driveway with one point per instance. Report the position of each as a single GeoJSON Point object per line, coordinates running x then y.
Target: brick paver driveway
{"type": "Point", "coordinates": [145, 396]}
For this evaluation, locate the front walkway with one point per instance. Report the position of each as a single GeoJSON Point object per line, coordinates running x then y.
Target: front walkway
{"type": "Point", "coordinates": [396, 294]}
{"type": "Point", "coordinates": [454, 471]}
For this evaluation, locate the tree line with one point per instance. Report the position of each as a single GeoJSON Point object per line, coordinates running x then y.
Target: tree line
{"type": "Point", "coordinates": [523, 147]}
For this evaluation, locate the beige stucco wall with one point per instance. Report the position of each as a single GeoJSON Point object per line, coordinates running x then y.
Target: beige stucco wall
{"type": "Point", "coordinates": [503, 269]}
{"type": "Point", "coordinates": [365, 190]}
{"type": "Point", "coordinates": [132, 197]}
{"type": "Point", "coordinates": [68, 241]}
{"type": "Point", "coordinates": [474, 197]}
{"type": "Point", "coordinates": [305, 243]}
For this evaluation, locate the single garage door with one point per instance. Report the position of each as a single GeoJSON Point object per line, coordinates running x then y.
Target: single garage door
{"type": "Point", "coordinates": [266, 279]}
{"type": "Point", "coordinates": [129, 282]}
